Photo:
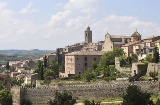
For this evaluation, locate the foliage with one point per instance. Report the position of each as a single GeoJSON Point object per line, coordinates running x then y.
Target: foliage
{"type": "Point", "coordinates": [94, 65]}
{"type": "Point", "coordinates": [2, 85]}
{"type": "Point", "coordinates": [45, 61]}
{"type": "Point", "coordinates": [153, 75]}
{"type": "Point", "coordinates": [149, 58]}
{"type": "Point", "coordinates": [109, 57]}
{"type": "Point", "coordinates": [134, 58]}
{"type": "Point", "coordinates": [157, 102]}
{"type": "Point", "coordinates": [156, 55]}
{"type": "Point", "coordinates": [26, 102]}
{"type": "Point", "coordinates": [88, 75]}
{"type": "Point", "coordinates": [134, 96]}
{"type": "Point", "coordinates": [5, 97]}
{"type": "Point", "coordinates": [7, 65]}
{"type": "Point", "coordinates": [55, 68]}
{"type": "Point", "coordinates": [87, 102]}
{"type": "Point", "coordinates": [142, 68]}
{"type": "Point", "coordinates": [62, 99]}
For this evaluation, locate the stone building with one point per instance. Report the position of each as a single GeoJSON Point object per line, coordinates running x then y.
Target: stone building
{"type": "Point", "coordinates": [77, 62]}
{"type": "Point", "coordinates": [114, 41]}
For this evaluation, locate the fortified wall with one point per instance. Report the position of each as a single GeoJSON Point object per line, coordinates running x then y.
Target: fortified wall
{"type": "Point", "coordinates": [99, 90]}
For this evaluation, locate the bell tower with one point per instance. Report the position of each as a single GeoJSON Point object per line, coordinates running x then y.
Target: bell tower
{"type": "Point", "coordinates": [88, 35]}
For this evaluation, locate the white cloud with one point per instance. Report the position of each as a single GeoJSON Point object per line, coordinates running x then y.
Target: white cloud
{"type": "Point", "coordinates": [28, 9]}
{"type": "Point", "coordinates": [59, 18]}
{"type": "Point", "coordinates": [87, 6]}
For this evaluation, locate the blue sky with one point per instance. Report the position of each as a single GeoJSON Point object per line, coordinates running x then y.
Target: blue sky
{"type": "Point", "coordinates": [49, 24]}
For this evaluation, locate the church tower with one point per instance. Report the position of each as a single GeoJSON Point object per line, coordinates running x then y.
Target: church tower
{"type": "Point", "coordinates": [88, 35]}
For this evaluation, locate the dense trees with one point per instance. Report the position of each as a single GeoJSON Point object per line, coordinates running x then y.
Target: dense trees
{"type": "Point", "coordinates": [62, 99]}
{"type": "Point", "coordinates": [109, 57]}
{"type": "Point", "coordinates": [134, 96]}
{"type": "Point", "coordinates": [5, 97]}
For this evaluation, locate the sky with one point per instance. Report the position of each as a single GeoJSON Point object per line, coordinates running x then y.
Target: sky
{"type": "Point", "coordinates": [51, 24]}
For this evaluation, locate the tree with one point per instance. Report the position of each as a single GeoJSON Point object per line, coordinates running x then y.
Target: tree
{"type": "Point", "coordinates": [94, 65]}
{"type": "Point", "coordinates": [134, 96]}
{"type": "Point", "coordinates": [41, 72]}
{"type": "Point", "coordinates": [63, 99]}
{"type": "Point", "coordinates": [153, 75]}
{"type": "Point", "coordinates": [7, 65]}
{"type": "Point", "coordinates": [88, 75]}
{"type": "Point", "coordinates": [26, 102]}
{"type": "Point", "coordinates": [45, 61]}
{"type": "Point", "coordinates": [134, 58]}
{"type": "Point", "coordinates": [5, 97]}
{"type": "Point", "coordinates": [157, 102]}
{"type": "Point", "coordinates": [156, 55]}
{"type": "Point", "coordinates": [108, 58]}
{"type": "Point", "coordinates": [149, 58]}
{"type": "Point", "coordinates": [87, 102]}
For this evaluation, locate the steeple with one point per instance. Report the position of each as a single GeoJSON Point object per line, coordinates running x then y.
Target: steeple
{"type": "Point", "coordinates": [88, 35]}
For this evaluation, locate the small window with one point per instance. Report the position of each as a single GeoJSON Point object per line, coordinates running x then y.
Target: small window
{"type": "Point", "coordinates": [79, 72]}
{"type": "Point", "coordinates": [85, 64]}
{"type": "Point", "coordinates": [77, 58]}
{"type": "Point", "coordinates": [85, 58]}
{"type": "Point", "coordinates": [94, 59]}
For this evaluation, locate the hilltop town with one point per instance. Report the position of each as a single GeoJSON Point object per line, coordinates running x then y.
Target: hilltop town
{"type": "Point", "coordinates": [73, 61]}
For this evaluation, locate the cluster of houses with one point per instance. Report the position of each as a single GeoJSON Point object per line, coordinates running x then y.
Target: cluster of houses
{"type": "Point", "coordinates": [21, 70]}
{"type": "Point", "coordinates": [79, 56]}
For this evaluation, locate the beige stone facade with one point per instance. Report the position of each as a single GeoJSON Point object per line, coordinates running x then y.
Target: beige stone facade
{"type": "Point", "coordinates": [114, 41]}
{"type": "Point", "coordinates": [77, 62]}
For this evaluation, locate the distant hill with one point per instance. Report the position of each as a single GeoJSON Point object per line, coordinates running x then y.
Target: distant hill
{"type": "Point", "coordinates": [15, 55]}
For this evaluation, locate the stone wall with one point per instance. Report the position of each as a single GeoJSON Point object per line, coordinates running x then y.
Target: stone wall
{"type": "Point", "coordinates": [91, 91]}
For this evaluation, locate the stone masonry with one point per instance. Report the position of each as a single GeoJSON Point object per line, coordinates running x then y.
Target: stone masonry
{"type": "Point", "coordinates": [92, 91]}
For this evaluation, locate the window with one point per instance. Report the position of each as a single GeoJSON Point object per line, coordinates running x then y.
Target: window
{"type": "Point", "coordinates": [77, 58]}
{"type": "Point", "coordinates": [86, 34]}
{"type": "Point", "coordinates": [94, 59]}
{"type": "Point", "coordinates": [79, 72]}
{"type": "Point", "coordinates": [85, 64]}
{"type": "Point", "coordinates": [85, 58]}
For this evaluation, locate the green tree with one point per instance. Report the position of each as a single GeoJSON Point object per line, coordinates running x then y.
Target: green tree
{"type": "Point", "coordinates": [26, 102]}
{"type": "Point", "coordinates": [45, 61]}
{"type": "Point", "coordinates": [89, 75]}
{"type": "Point", "coordinates": [7, 65]}
{"type": "Point", "coordinates": [41, 72]}
{"type": "Point", "coordinates": [109, 57]}
{"type": "Point", "coordinates": [156, 55]}
{"type": "Point", "coordinates": [157, 102]}
{"type": "Point", "coordinates": [134, 58]}
{"type": "Point", "coordinates": [5, 97]}
{"type": "Point", "coordinates": [134, 96]}
{"type": "Point", "coordinates": [63, 99]}
{"type": "Point", "coordinates": [55, 68]}
{"type": "Point", "coordinates": [153, 75]}
{"type": "Point", "coordinates": [149, 58]}
{"type": "Point", "coordinates": [94, 65]}
{"type": "Point", "coordinates": [87, 102]}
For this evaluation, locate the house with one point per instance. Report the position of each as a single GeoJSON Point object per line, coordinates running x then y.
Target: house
{"type": "Point", "coordinates": [77, 62]}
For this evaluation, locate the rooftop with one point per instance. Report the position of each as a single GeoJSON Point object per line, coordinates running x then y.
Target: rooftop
{"type": "Point", "coordinates": [135, 34]}
{"type": "Point", "coordinates": [87, 53]}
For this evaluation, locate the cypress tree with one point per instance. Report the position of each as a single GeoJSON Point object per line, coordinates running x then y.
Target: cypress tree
{"type": "Point", "coordinates": [156, 54]}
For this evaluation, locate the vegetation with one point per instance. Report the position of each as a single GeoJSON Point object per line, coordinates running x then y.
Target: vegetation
{"type": "Point", "coordinates": [62, 99]}
{"type": "Point", "coordinates": [87, 102]}
{"type": "Point", "coordinates": [5, 97]}
{"type": "Point", "coordinates": [17, 55]}
{"type": "Point", "coordinates": [153, 75]}
{"type": "Point", "coordinates": [26, 102]}
{"type": "Point", "coordinates": [156, 55]}
{"type": "Point", "coordinates": [135, 96]}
